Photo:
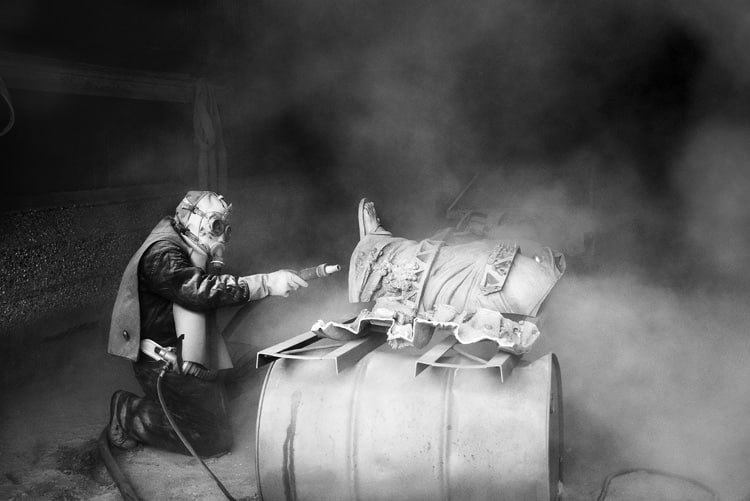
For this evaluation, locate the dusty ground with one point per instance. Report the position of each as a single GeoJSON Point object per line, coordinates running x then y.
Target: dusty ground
{"type": "Point", "coordinates": [48, 448]}
{"type": "Point", "coordinates": [50, 423]}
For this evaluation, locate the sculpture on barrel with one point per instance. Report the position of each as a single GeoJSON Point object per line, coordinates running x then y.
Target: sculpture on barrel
{"type": "Point", "coordinates": [476, 289]}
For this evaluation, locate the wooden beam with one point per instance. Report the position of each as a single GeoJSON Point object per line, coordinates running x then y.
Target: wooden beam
{"type": "Point", "coordinates": [21, 71]}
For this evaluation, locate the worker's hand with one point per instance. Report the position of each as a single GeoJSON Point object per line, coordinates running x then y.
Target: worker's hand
{"type": "Point", "coordinates": [282, 282]}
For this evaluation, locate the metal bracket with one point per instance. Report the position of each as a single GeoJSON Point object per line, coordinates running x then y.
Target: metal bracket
{"type": "Point", "coordinates": [502, 361]}
{"type": "Point", "coordinates": [343, 355]}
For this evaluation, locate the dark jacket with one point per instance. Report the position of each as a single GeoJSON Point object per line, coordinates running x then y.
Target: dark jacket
{"type": "Point", "coordinates": [158, 275]}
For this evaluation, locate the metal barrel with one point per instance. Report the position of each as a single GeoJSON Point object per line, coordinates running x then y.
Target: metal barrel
{"type": "Point", "coordinates": [377, 432]}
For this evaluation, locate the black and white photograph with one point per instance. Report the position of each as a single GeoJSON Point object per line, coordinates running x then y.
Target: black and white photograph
{"type": "Point", "coordinates": [375, 250]}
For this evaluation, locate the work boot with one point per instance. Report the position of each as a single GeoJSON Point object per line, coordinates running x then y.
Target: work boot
{"type": "Point", "coordinates": [368, 220]}
{"type": "Point", "coordinates": [117, 436]}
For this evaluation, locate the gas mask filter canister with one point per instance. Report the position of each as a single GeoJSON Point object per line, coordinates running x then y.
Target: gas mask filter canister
{"type": "Point", "coordinates": [216, 258]}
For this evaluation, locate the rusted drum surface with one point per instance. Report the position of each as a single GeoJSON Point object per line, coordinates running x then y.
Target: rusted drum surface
{"type": "Point", "coordinates": [376, 432]}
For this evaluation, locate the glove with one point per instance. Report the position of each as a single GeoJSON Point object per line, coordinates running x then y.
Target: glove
{"type": "Point", "coordinates": [282, 282]}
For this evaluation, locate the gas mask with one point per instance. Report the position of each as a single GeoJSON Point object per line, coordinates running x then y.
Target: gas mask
{"type": "Point", "coordinates": [202, 218]}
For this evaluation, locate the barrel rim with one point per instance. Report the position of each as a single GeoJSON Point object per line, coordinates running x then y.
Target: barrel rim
{"type": "Point", "coordinates": [257, 427]}
{"type": "Point", "coordinates": [556, 376]}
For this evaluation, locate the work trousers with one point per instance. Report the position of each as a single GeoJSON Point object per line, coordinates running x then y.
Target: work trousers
{"type": "Point", "coordinates": [199, 408]}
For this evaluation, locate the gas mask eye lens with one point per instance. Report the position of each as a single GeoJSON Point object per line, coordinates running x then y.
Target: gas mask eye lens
{"type": "Point", "coordinates": [218, 227]}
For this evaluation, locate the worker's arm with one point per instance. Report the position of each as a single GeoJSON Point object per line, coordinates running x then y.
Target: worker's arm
{"type": "Point", "coordinates": [165, 269]}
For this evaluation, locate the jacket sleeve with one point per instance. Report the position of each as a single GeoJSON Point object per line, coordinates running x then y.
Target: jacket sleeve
{"type": "Point", "coordinates": [166, 270]}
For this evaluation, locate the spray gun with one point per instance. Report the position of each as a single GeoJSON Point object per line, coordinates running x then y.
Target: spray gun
{"type": "Point", "coordinates": [320, 271]}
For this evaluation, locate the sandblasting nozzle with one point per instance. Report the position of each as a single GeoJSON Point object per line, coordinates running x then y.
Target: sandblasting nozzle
{"type": "Point", "coordinates": [320, 271]}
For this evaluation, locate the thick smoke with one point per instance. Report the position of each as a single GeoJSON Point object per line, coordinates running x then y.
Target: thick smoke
{"type": "Point", "coordinates": [627, 118]}
{"type": "Point", "coordinates": [651, 379]}
{"type": "Point", "coordinates": [407, 102]}
{"type": "Point", "coordinates": [713, 178]}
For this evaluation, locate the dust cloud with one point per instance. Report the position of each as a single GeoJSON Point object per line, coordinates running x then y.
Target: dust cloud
{"type": "Point", "coordinates": [405, 103]}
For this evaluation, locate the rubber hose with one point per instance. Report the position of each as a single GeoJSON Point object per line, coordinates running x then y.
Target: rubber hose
{"type": "Point", "coordinates": [605, 485]}
{"type": "Point", "coordinates": [127, 491]}
{"type": "Point", "coordinates": [184, 440]}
